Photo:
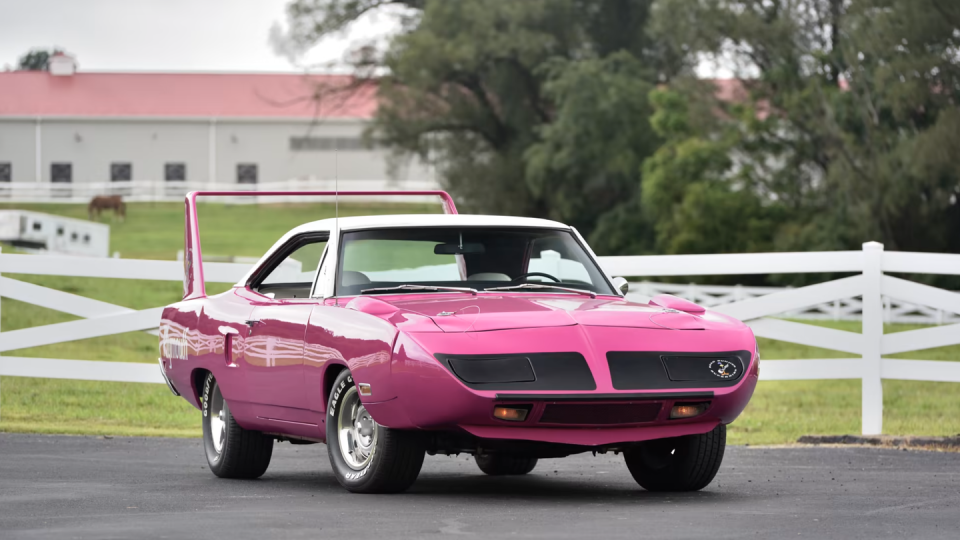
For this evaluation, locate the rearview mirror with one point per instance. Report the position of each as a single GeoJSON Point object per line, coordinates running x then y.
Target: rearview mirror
{"type": "Point", "coordinates": [459, 249]}
{"type": "Point", "coordinates": [622, 285]}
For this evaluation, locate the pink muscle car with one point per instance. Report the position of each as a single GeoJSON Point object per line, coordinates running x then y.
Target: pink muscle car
{"type": "Point", "coordinates": [388, 337]}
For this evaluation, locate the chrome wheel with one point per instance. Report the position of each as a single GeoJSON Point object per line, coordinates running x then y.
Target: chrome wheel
{"type": "Point", "coordinates": [218, 426]}
{"type": "Point", "coordinates": [356, 431]}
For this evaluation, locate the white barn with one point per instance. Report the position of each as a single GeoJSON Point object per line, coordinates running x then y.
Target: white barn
{"type": "Point", "coordinates": [70, 128]}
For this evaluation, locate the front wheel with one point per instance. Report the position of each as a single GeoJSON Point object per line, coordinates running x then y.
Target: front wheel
{"type": "Point", "coordinates": [232, 452]}
{"type": "Point", "coordinates": [365, 456]}
{"type": "Point", "coordinates": [686, 463]}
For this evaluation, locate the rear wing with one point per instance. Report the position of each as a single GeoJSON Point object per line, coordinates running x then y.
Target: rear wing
{"type": "Point", "coordinates": [193, 286]}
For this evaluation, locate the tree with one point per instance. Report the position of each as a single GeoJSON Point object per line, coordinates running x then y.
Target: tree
{"type": "Point", "coordinates": [855, 126]}
{"type": "Point", "coordinates": [36, 60]}
{"type": "Point", "coordinates": [534, 108]}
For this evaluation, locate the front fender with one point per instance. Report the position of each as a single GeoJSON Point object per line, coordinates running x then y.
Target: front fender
{"type": "Point", "coordinates": [363, 343]}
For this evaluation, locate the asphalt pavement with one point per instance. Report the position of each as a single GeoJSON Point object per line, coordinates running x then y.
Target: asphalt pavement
{"type": "Point", "coordinates": [86, 487]}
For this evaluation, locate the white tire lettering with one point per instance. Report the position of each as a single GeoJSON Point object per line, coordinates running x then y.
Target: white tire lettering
{"type": "Point", "coordinates": [206, 396]}
{"type": "Point", "coordinates": [357, 475]}
{"type": "Point", "coordinates": [336, 396]}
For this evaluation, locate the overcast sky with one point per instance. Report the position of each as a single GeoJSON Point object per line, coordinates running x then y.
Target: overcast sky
{"type": "Point", "coordinates": [164, 35]}
{"type": "Point", "coordinates": [180, 35]}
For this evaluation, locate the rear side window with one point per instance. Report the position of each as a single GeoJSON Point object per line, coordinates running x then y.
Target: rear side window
{"type": "Point", "coordinates": [291, 271]}
{"type": "Point", "coordinates": [299, 266]}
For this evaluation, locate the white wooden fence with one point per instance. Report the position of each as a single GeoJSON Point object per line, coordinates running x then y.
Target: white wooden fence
{"type": "Point", "coordinates": [841, 309]}
{"type": "Point", "coordinates": [871, 284]}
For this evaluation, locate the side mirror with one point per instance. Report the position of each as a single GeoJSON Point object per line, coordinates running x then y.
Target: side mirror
{"type": "Point", "coordinates": [621, 285]}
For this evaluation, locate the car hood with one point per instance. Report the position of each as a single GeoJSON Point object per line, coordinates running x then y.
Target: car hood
{"type": "Point", "coordinates": [486, 312]}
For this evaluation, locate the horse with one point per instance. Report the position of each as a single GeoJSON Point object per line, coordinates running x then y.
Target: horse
{"type": "Point", "coordinates": [107, 202]}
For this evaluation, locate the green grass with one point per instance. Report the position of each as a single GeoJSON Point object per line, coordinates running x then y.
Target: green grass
{"type": "Point", "coordinates": [780, 412]}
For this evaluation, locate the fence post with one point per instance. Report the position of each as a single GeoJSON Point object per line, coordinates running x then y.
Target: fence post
{"type": "Point", "coordinates": [872, 330]}
{"type": "Point", "coordinates": [1, 296]}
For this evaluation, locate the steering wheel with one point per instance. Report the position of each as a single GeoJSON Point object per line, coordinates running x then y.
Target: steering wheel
{"type": "Point", "coordinates": [541, 274]}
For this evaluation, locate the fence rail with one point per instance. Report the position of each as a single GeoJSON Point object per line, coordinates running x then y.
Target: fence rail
{"type": "Point", "coordinates": [755, 306]}
{"type": "Point", "coordinates": [155, 191]}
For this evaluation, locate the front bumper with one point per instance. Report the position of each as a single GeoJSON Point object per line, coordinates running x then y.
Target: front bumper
{"type": "Point", "coordinates": [430, 397]}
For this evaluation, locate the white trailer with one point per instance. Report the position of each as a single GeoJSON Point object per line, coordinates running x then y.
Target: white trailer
{"type": "Point", "coordinates": [35, 231]}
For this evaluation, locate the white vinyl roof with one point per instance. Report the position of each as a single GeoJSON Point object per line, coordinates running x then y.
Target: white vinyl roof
{"type": "Point", "coordinates": [425, 220]}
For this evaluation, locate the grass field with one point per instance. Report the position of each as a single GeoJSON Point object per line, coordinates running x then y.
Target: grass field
{"type": "Point", "coordinates": [780, 411]}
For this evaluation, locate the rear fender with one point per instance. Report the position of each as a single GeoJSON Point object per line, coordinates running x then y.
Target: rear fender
{"type": "Point", "coordinates": [178, 350]}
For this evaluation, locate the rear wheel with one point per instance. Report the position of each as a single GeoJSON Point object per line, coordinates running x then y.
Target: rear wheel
{"type": "Point", "coordinates": [365, 456]}
{"type": "Point", "coordinates": [505, 464]}
{"type": "Point", "coordinates": [232, 452]}
{"type": "Point", "coordinates": [686, 463]}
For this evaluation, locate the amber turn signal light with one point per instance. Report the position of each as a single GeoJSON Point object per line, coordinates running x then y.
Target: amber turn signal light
{"type": "Point", "coordinates": [687, 410]}
{"type": "Point", "coordinates": [512, 414]}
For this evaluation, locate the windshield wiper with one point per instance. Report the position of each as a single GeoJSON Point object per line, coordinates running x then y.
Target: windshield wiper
{"type": "Point", "coordinates": [409, 287]}
{"type": "Point", "coordinates": [541, 286]}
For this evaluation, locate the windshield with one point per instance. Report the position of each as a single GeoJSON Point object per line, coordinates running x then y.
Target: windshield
{"type": "Point", "coordinates": [477, 258]}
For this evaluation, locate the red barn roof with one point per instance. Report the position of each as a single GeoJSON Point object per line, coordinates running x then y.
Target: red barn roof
{"type": "Point", "coordinates": [202, 95]}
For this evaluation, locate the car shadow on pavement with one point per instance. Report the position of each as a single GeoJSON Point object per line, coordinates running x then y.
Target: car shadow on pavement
{"type": "Point", "coordinates": [527, 488]}
{"type": "Point", "coordinates": [544, 488]}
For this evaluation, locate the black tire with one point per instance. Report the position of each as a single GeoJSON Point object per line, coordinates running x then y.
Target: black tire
{"type": "Point", "coordinates": [243, 453]}
{"type": "Point", "coordinates": [393, 457]}
{"type": "Point", "coordinates": [686, 463]}
{"type": "Point", "coordinates": [505, 464]}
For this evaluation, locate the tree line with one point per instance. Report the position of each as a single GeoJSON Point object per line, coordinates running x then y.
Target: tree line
{"type": "Point", "coordinates": [839, 122]}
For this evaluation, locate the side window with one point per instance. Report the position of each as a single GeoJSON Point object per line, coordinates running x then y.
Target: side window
{"type": "Point", "coordinates": [292, 275]}
{"type": "Point", "coordinates": [299, 266]}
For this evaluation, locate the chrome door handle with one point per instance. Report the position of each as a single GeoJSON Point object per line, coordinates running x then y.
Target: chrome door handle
{"type": "Point", "coordinates": [251, 322]}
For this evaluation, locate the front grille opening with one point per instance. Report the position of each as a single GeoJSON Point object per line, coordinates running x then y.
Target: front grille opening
{"type": "Point", "coordinates": [600, 414]}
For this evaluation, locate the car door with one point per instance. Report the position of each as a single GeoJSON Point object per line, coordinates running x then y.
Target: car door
{"type": "Point", "coordinates": [279, 294]}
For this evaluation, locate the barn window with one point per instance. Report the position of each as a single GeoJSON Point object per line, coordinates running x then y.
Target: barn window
{"type": "Point", "coordinates": [61, 172]}
{"type": "Point", "coordinates": [175, 172]}
{"type": "Point", "coordinates": [6, 171]}
{"type": "Point", "coordinates": [121, 172]}
{"type": "Point", "coordinates": [246, 173]}
{"type": "Point", "coordinates": [37, 226]}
